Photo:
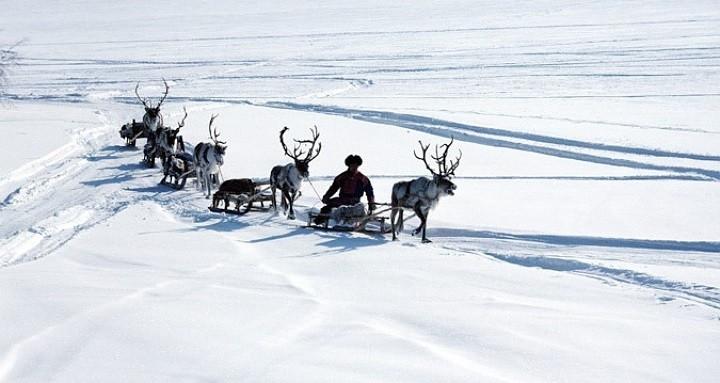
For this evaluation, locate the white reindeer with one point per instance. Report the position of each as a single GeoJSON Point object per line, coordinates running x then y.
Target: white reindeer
{"type": "Point", "coordinates": [152, 124]}
{"type": "Point", "coordinates": [208, 158]}
{"type": "Point", "coordinates": [422, 194]}
{"type": "Point", "coordinates": [288, 178]}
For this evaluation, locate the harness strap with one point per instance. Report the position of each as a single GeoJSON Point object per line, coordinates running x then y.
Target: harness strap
{"type": "Point", "coordinates": [313, 188]}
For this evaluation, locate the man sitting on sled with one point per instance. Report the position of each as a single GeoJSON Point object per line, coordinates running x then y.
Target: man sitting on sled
{"type": "Point", "coordinates": [352, 185]}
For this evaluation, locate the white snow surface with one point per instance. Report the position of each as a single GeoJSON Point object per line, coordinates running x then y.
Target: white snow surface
{"type": "Point", "coordinates": [583, 244]}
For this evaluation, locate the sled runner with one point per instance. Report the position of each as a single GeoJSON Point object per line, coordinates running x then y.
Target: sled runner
{"type": "Point", "coordinates": [351, 218]}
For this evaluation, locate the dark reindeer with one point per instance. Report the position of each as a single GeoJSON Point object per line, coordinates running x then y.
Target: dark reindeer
{"type": "Point", "coordinates": [172, 148]}
{"type": "Point", "coordinates": [153, 124]}
{"type": "Point", "coordinates": [152, 119]}
{"type": "Point", "coordinates": [167, 138]}
{"type": "Point", "coordinates": [208, 158]}
{"type": "Point", "coordinates": [288, 178]}
{"type": "Point", "coordinates": [422, 194]}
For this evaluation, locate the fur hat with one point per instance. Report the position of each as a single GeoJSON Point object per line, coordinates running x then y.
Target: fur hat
{"type": "Point", "coordinates": [353, 159]}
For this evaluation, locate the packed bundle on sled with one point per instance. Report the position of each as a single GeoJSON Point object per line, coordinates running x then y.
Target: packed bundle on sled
{"type": "Point", "coordinates": [132, 131]}
{"type": "Point", "coordinates": [350, 218]}
{"type": "Point", "coordinates": [244, 193]}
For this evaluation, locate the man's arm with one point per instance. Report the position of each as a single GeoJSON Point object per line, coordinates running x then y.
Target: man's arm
{"type": "Point", "coordinates": [370, 194]}
{"type": "Point", "coordinates": [332, 190]}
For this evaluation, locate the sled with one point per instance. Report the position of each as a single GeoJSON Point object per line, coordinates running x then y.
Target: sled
{"type": "Point", "coordinates": [179, 168]}
{"type": "Point", "coordinates": [253, 197]}
{"type": "Point", "coordinates": [357, 220]}
{"type": "Point", "coordinates": [132, 131]}
{"type": "Point", "coordinates": [245, 200]}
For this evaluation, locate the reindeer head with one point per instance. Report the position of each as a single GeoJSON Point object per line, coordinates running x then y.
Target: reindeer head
{"type": "Point", "coordinates": [220, 146]}
{"type": "Point", "coordinates": [444, 174]}
{"type": "Point", "coordinates": [173, 133]}
{"type": "Point", "coordinates": [302, 160]}
{"type": "Point", "coordinates": [152, 111]}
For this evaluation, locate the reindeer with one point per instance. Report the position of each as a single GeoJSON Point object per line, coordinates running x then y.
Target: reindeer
{"type": "Point", "coordinates": [153, 123]}
{"type": "Point", "coordinates": [152, 118]}
{"type": "Point", "coordinates": [172, 151]}
{"type": "Point", "coordinates": [167, 138]}
{"type": "Point", "coordinates": [422, 194]}
{"type": "Point", "coordinates": [288, 178]}
{"type": "Point", "coordinates": [208, 158]}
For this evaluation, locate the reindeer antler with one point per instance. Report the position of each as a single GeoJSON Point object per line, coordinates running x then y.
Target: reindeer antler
{"type": "Point", "coordinates": [315, 135]}
{"type": "Point", "coordinates": [143, 100]}
{"type": "Point", "coordinates": [167, 89]}
{"type": "Point", "coordinates": [440, 159]}
{"type": "Point", "coordinates": [424, 149]}
{"type": "Point", "coordinates": [182, 122]}
{"type": "Point", "coordinates": [297, 149]}
{"type": "Point", "coordinates": [213, 132]}
{"type": "Point", "coordinates": [454, 164]}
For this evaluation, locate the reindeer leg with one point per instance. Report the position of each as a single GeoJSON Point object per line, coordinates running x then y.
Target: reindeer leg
{"type": "Point", "coordinates": [292, 201]}
{"type": "Point", "coordinates": [393, 216]}
{"type": "Point", "coordinates": [423, 215]}
{"type": "Point", "coordinates": [274, 202]}
{"type": "Point", "coordinates": [209, 188]}
{"type": "Point", "coordinates": [418, 211]}
{"type": "Point", "coordinates": [284, 202]}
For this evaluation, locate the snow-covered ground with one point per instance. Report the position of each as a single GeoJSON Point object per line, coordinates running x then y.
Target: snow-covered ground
{"type": "Point", "coordinates": [582, 245]}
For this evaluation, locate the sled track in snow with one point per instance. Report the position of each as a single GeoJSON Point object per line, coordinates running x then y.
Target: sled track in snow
{"type": "Point", "coordinates": [706, 295]}
{"type": "Point", "coordinates": [48, 209]}
{"type": "Point", "coordinates": [535, 143]}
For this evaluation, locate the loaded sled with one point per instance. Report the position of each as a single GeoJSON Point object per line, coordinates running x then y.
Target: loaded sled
{"type": "Point", "coordinates": [179, 167]}
{"type": "Point", "coordinates": [132, 131]}
{"type": "Point", "coordinates": [245, 193]}
{"type": "Point", "coordinates": [351, 218]}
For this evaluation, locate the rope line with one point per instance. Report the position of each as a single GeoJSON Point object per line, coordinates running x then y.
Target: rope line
{"type": "Point", "coordinates": [315, 190]}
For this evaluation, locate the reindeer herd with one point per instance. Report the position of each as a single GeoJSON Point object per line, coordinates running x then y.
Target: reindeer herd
{"type": "Point", "coordinates": [204, 164]}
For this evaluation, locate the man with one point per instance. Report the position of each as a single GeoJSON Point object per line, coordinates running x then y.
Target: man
{"type": "Point", "coordinates": [352, 185]}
